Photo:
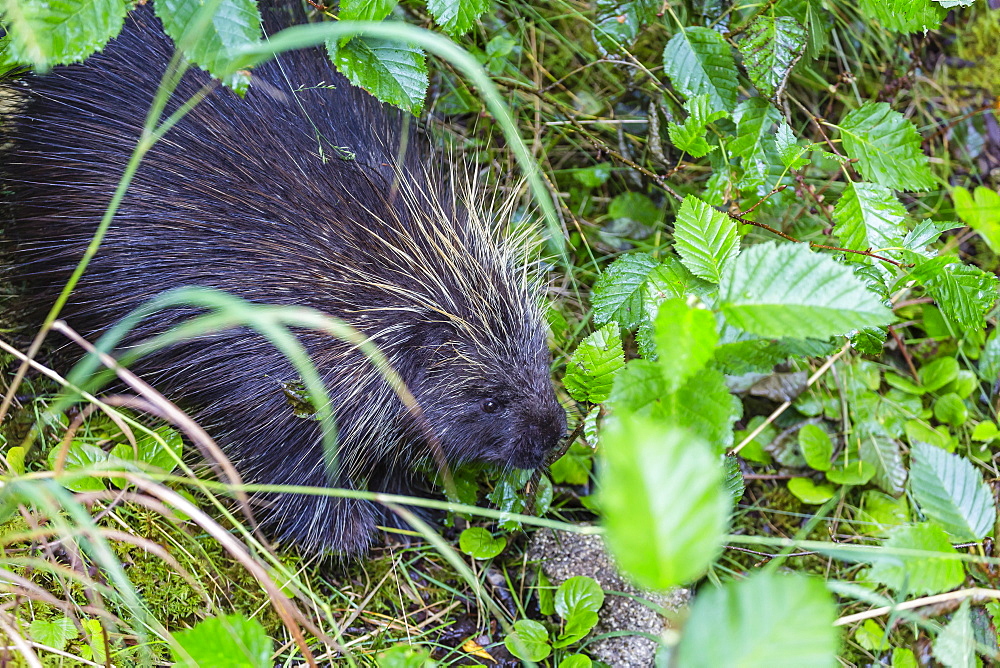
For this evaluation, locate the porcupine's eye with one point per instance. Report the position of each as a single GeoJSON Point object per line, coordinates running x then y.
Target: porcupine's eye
{"type": "Point", "coordinates": [490, 405]}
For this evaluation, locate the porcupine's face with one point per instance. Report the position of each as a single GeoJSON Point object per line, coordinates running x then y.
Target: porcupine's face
{"type": "Point", "coordinates": [491, 406]}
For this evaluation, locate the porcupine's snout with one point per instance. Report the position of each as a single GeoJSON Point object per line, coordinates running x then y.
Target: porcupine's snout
{"type": "Point", "coordinates": [543, 427]}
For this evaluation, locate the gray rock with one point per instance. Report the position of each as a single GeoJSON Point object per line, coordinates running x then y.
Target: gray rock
{"type": "Point", "coordinates": [562, 555]}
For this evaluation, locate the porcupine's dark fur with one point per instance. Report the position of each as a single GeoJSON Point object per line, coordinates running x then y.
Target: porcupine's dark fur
{"type": "Point", "coordinates": [236, 197]}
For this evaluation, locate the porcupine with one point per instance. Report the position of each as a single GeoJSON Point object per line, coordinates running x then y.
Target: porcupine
{"type": "Point", "coordinates": [237, 197]}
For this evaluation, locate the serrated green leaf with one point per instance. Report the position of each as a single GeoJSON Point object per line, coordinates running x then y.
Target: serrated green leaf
{"type": "Point", "coordinates": [479, 543]}
{"type": "Point", "coordinates": [771, 619]}
{"type": "Point", "coordinates": [699, 61]}
{"type": "Point", "coordinates": [665, 509]}
{"type": "Point", "coordinates": [234, 26]}
{"type": "Point", "coordinates": [952, 493]}
{"type": "Point", "coordinates": [955, 646]}
{"type": "Point", "coordinates": [703, 405]}
{"type": "Point", "coordinates": [591, 371]}
{"type": "Point", "coordinates": [887, 147]}
{"type": "Point", "coordinates": [918, 574]}
{"type": "Point", "coordinates": [963, 292]}
{"type": "Point", "coordinates": [685, 340]}
{"type": "Point", "coordinates": [57, 32]}
{"type": "Point", "coordinates": [792, 155]}
{"type": "Point", "coordinates": [529, 641]}
{"type": "Point", "coordinates": [905, 16]}
{"type": "Point", "coordinates": [734, 478]}
{"type": "Point", "coordinates": [393, 72]}
{"type": "Point", "coordinates": [869, 217]}
{"type": "Point", "coordinates": [705, 238]}
{"type": "Point", "coordinates": [925, 233]}
{"type": "Point", "coordinates": [630, 284]}
{"type": "Point", "coordinates": [689, 137]}
{"type": "Point", "coordinates": [869, 340]}
{"type": "Point", "coordinates": [881, 450]}
{"type": "Point", "coordinates": [787, 290]}
{"type": "Point", "coordinates": [772, 47]}
{"type": "Point", "coordinates": [365, 10]}
{"type": "Point", "coordinates": [980, 211]}
{"type": "Point", "coordinates": [457, 17]}
{"type": "Point", "coordinates": [230, 641]}
{"type": "Point", "coordinates": [755, 118]}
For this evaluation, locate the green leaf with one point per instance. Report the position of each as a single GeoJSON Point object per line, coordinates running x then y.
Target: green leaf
{"type": "Point", "coordinates": [787, 290]}
{"type": "Point", "coordinates": [881, 512]}
{"type": "Point", "coordinates": [43, 34]}
{"type": "Point", "coordinates": [755, 118]}
{"type": "Point", "coordinates": [665, 508]}
{"type": "Point", "coordinates": [690, 136]}
{"type": "Point", "coordinates": [529, 641]}
{"type": "Point", "coordinates": [981, 212]}
{"type": "Point", "coordinates": [576, 661]}
{"type": "Point", "coordinates": [985, 431]}
{"type": "Point", "coordinates": [952, 493]}
{"type": "Point", "coordinates": [911, 574]}
{"type": "Point", "coordinates": [635, 206]}
{"type": "Point", "coordinates": [621, 292]}
{"type": "Point", "coordinates": [685, 340]}
{"type": "Point", "coordinates": [393, 72]}
{"type": "Point", "coordinates": [15, 459]}
{"type": "Point", "coordinates": [702, 405]}
{"type": "Point", "coordinates": [578, 625]}
{"type": "Point", "coordinates": [887, 147]}
{"type": "Point", "coordinates": [705, 238]}
{"type": "Point", "coordinates": [955, 646]}
{"type": "Point", "coordinates": [792, 155]}
{"type": "Point", "coordinates": [591, 371]}
{"type": "Point", "coordinates": [768, 619]}
{"type": "Point", "coordinates": [365, 10]}
{"type": "Point", "coordinates": [230, 641]}
{"type": "Point", "coordinates": [151, 451]}
{"type": "Point", "coordinates": [807, 491]}
{"type": "Point", "coordinates": [594, 175]}
{"type": "Point", "coordinates": [457, 17]}
{"type": "Point", "coordinates": [234, 26]}
{"type": "Point", "coordinates": [578, 593]}
{"type": "Point", "coordinates": [816, 446]}
{"type": "Point", "coordinates": [905, 15]}
{"type": "Point", "coordinates": [734, 478]}
{"type": "Point", "coordinates": [772, 47]}
{"type": "Point", "coordinates": [699, 62]}
{"type": "Point", "coordinates": [577, 601]}
{"type": "Point", "coordinates": [963, 292]}
{"type": "Point", "coordinates": [925, 233]}
{"type": "Point", "coordinates": [868, 340]}
{"type": "Point", "coordinates": [869, 217]}
{"type": "Point", "coordinates": [879, 449]}
{"type": "Point", "coordinates": [950, 409]}
{"type": "Point", "coordinates": [405, 656]}
{"type": "Point", "coordinates": [573, 468]}
{"type": "Point", "coordinates": [55, 633]}
{"type": "Point", "coordinates": [858, 472]}
{"type": "Point", "coordinates": [619, 22]}
{"type": "Point", "coordinates": [479, 543]}
{"type": "Point", "coordinates": [936, 374]}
